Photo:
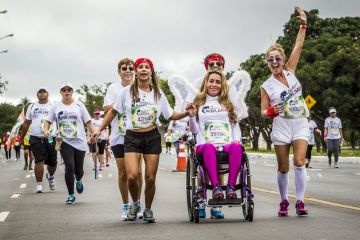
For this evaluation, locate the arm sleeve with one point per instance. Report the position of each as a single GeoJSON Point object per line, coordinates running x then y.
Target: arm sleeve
{"type": "Point", "coordinates": [84, 113]}
{"type": "Point", "coordinates": [236, 132]}
{"type": "Point", "coordinates": [194, 126]}
{"type": "Point", "coordinates": [109, 97]}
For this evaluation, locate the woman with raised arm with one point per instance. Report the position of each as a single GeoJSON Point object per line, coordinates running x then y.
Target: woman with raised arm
{"type": "Point", "coordinates": [142, 103]}
{"type": "Point", "coordinates": [282, 100]}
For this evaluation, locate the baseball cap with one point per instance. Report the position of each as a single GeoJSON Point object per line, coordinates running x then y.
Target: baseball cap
{"type": "Point", "coordinates": [66, 84]}
{"type": "Point", "coordinates": [42, 88]}
{"type": "Point", "coordinates": [332, 110]}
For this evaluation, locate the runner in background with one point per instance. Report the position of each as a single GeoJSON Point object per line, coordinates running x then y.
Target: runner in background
{"type": "Point", "coordinates": [312, 128]}
{"type": "Point", "coordinates": [17, 147]}
{"type": "Point", "coordinates": [333, 135]}
{"type": "Point", "coordinates": [168, 140]}
{"type": "Point", "coordinates": [7, 146]}
{"type": "Point", "coordinates": [28, 156]}
{"type": "Point", "coordinates": [97, 120]}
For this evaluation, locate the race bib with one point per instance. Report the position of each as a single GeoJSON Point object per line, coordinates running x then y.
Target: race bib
{"type": "Point", "coordinates": [295, 107]}
{"type": "Point", "coordinates": [122, 123]}
{"type": "Point", "coordinates": [143, 116]}
{"type": "Point", "coordinates": [334, 131]}
{"type": "Point", "coordinates": [68, 129]}
{"type": "Point", "coordinates": [217, 132]}
{"type": "Point", "coordinates": [311, 140]}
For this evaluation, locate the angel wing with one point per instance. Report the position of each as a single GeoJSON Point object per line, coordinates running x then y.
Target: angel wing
{"type": "Point", "coordinates": [241, 81]}
{"type": "Point", "coordinates": [180, 88]}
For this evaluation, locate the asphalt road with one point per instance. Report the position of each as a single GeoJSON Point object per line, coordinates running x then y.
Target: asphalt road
{"type": "Point", "coordinates": [334, 206]}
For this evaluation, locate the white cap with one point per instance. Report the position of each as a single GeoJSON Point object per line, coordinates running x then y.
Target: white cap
{"type": "Point", "coordinates": [66, 84]}
{"type": "Point", "coordinates": [42, 88]}
{"type": "Point", "coordinates": [332, 110]}
{"type": "Point", "coordinates": [7, 133]}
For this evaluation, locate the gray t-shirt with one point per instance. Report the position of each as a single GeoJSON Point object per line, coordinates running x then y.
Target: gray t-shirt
{"type": "Point", "coordinates": [333, 125]}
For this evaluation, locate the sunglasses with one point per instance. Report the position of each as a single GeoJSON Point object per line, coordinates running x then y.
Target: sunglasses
{"type": "Point", "coordinates": [66, 89]}
{"type": "Point", "coordinates": [276, 59]}
{"type": "Point", "coordinates": [217, 63]}
{"type": "Point", "coordinates": [127, 69]}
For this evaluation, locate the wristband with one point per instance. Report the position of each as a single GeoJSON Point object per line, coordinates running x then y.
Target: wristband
{"type": "Point", "coordinates": [270, 112]}
{"type": "Point", "coordinates": [303, 26]}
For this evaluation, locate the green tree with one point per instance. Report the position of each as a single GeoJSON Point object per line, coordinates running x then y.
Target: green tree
{"type": "Point", "coordinates": [8, 115]}
{"type": "Point", "coordinates": [92, 96]}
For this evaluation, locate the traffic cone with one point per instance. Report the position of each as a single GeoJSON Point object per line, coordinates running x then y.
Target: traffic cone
{"type": "Point", "coordinates": [181, 162]}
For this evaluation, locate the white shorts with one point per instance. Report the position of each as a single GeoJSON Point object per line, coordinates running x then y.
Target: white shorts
{"type": "Point", "coordinates": [285, 130]}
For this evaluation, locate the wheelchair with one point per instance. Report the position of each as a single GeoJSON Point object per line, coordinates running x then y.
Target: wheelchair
{"type": "Point", "coordinates": [194, 168]}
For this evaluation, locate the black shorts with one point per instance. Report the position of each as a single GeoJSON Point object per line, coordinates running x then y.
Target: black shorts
{"type": "Point", "coordinates": [27, 147]}
{"type": "Point", "coordinates": [43, 151]}
{"type": "Point", "coordinates": [100, 146]}
{"type": "Point", "coordinates": [143, 142]}
{"type": "Point", "coordinates": [308, 152]}
{"type": "Point", "coordinates": [118, 150]}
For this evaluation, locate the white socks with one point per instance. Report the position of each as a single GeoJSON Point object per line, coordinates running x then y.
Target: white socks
{"type": "Point", "coordinates": [283, 182]}
{"type": "Point", "coordinates": [300, 182]}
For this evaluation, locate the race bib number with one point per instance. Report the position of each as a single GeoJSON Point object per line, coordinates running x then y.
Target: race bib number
{"type": "Point", "coordinates": [295, 107]}
{"type": "Point", "coordinates": [334, 131]}
{"type": "Point", "coordinates": [143, 116]}
{"type": "Point", "coordinates": [122, 122]}
{"type": "Point", "coordinates": [311, 140]}
{"type": "Point", "coordinates": [68, 129]}
{"type": "Point", "coordinates": [217, 132]}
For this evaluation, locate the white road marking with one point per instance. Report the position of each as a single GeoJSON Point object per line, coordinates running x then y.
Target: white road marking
{"type": "Point", "coordinates": [3, 216]}
{"type": "Point", "coordinates": [357, 174]}
{"type": "Point", "coordinates": [270, 165]}
{"type": "Point", "coordinates": [15, 195]}
{"type": "Point", "coordinates": [23, 185]}
{"type": "Point", "coordinates": [28, 176]}
{"type": "Point", "coordinates": [313, 169]}
{"type": "Point", "coordinates": [100, 175]}
{"type": "Point", "coordinates": [33, 174]}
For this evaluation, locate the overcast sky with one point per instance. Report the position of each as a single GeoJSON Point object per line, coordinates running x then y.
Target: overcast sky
{"type": "Point", "coordinates": [81, 41]}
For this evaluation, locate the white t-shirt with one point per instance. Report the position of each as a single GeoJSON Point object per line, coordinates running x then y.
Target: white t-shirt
{"type": "Point", "coordinates": [178, 129]}
{"type": "Point", "coordinates": [214, 125]}
{"type": "Point", "coordinates": [37, 114]}
{"type": "Point", "coordinates": [291, 97]}
{"type": "Point", "coordinates": [70, 120]}
{"type": "Point", "coordinates": [333, 125]}
{"type": "Point", "coordinates": [312, 127]}
{"type": "Point", "coordinates": [146, 111]}
{"type": "Point", "coordinates": [97, 124]}
{"type": "Point", "coordinates": [117, 133]}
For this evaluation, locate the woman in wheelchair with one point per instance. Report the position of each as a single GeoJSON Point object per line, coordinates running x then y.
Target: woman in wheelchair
{"type": "Point", "coordinates": [213, 120]}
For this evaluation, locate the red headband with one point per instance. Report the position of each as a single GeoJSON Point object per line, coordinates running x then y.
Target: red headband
{"type": "Point", "coordinates": [213, 57]}
{"type": "Point", "coordinates": [144, 60]}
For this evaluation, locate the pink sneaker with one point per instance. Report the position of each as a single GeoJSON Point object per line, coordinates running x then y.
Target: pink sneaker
{"type": "Point", "coordinates": [300, 208]}
{"type": "Point", "coordinates": [283, 211]}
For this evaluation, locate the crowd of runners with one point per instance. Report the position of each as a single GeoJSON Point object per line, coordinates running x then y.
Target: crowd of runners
{"type": "Point", "coordinates": [130, 128]}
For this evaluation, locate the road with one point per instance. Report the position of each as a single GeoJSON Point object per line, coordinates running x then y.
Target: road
{"type": "Point", "coordinates": [96, 214]}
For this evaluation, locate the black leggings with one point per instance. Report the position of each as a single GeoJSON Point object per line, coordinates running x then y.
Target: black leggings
{"type": "Point", "coordinates": [17, 152]}
{"type": "Point", "coordinates": [74, 165]}
{"type": "Point", "coordinates": [8, 153]}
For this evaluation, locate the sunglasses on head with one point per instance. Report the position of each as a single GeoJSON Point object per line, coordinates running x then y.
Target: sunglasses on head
{"type": "Point", "coordinates": [217, 63]}
{"type": "Point", "coordinates": [276, 59]}
{"type": "Point", "coordinates": [66, 89]}
{"type": "Point", "coordinates": [127, 69]}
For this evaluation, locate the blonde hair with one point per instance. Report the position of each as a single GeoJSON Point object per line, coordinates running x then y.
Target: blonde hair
{"type": "Point", "coordinates": [276, 47]}
{"type": "Point", "coordinates": [223, 96]}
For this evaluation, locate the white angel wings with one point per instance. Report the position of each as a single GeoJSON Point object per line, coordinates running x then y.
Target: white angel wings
{"type": "Point", "coordinates": [239, 85]}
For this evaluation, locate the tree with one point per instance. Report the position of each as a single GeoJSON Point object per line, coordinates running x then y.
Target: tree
{"type": "Point", "coordinates": [92, 97]}
{"type": "Point", "coordinates": [3, 85]}
{"type": "Point", "coordinates": [8, 115]}
{"type": "Point", "coordinates": [24, 103]}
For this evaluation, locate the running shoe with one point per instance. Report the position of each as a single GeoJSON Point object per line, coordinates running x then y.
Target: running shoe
{"type": "Point", "coordinates": [230, 192]}
{"type": "Point", "coordinates": [148, 216]}
{"type": "Point", "coordinates": [134, 208]}
{"type": "Point", "coordinates": [126, 209]}
{"type": "Point", "coordinates": [139, 214]}
{"type": "Point", "coordinates": [107, 165]}
{"type": "Point", "coordinates": [25, 167]}
{"type": "Point", "coordinates": [51, 180]}
{"type": "Point", "coordinates": [216, 213]}
{"type": "Point", "coordinates": [336, 165]}
{"type": "Point", "coordinates": [300, 208]}
{"type": "Point", "coordinates": [79, 186]}
{"type": "Point", "coordinates": [283, 211]}
{"type": "Point", "coordinates": [202, 212]}
{"type": "Point", "coordinates": [218, 193]}
{"type": "Point", "coordinates": [70, 199]}
{"type": "Point", "coordinates": [39, 188]}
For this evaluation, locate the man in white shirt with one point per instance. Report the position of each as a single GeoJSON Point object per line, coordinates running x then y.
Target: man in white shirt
{"type": "Point", "coordinates": [42, 148]}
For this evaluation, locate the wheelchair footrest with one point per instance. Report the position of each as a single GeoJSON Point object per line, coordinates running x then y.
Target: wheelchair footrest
{"type": "Point", "coordinates": [224, 202]}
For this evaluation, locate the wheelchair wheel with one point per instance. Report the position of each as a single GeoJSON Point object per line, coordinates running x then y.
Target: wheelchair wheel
{"type": "Point", "coordinates": [248, 204]}
{"type": "Point", "coordinates": [190, 190]}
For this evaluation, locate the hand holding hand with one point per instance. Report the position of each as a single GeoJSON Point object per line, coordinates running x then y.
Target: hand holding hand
{"type": "Point", "coordinates": [191, 109]}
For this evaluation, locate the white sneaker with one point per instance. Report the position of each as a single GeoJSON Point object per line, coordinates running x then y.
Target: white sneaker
{"type": "Point", "coordinates": [39, 188]}
{"type": "Point", "coordinates": [126, 209]}
{"type": "Point", "coordinates": [51, 181]}
{"type": "Point", "coordinates": [139, 214]}
{"type": "Point", "coordinates": [336, 165]}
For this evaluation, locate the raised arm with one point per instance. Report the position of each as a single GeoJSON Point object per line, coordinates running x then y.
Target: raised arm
{"type": "Point", "coordinates": [295, 55]}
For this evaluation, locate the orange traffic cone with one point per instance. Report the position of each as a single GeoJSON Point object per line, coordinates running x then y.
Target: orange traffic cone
{"type": "Point", "coordinates": [181, 162]}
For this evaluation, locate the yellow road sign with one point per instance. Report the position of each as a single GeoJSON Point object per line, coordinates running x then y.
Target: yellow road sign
{"type": "Point", "coordinates": [310, 101]}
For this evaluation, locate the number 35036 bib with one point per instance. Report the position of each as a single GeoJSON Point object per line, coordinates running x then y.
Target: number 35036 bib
{"type": "Point", "coordinates": [143, 116]}
{"type": "Point", "coordinates": [217, 132]}
{"type": "Point", "coordinates": [68, 129]}
{"type": "Point", "coordinates": [295, 107]}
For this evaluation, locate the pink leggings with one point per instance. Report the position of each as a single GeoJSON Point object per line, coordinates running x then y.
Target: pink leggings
{"type": "Point", "coordinates": [209, 154]}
